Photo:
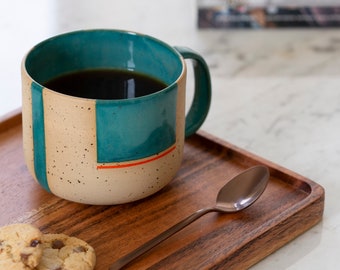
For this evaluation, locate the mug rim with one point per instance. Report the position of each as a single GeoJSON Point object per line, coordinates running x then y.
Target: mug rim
{"type": "Point", "coordinates": [125, 32]}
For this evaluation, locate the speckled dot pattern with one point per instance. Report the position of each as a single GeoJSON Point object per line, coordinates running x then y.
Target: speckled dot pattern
{"type": "Point", "coordinates": [71, 154]}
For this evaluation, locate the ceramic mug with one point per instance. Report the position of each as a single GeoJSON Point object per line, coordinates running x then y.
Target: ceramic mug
{"type": "Point", "coordinates": [103, 152]}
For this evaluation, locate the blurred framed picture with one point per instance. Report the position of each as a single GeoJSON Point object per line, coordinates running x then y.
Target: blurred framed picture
{"type": "Point", "coordinates": [267, 14]}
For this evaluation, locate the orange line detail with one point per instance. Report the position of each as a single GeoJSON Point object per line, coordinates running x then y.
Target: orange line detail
{"type": "Point", "coordinates": [136, 163]}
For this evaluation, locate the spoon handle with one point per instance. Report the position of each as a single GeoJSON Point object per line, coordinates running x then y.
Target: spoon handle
{"type": "Point", "coordinates": [158, 239]}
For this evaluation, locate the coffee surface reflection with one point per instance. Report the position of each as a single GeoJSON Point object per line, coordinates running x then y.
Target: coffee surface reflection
{"type": "Point", "coordinates": [105, 84]}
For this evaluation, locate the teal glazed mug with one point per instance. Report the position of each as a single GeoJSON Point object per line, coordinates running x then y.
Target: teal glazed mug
{"type": "Point", "coordinates": [97, 150]}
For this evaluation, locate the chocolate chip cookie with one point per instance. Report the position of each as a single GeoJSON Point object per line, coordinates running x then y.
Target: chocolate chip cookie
{"type": "Point", "coordinates": [20, 247]}
{"type": "Point", "coordinates": [63, 252]}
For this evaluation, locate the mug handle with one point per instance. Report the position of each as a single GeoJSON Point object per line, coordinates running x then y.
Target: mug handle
{"type": "Point", "coordinates": [202, 96]}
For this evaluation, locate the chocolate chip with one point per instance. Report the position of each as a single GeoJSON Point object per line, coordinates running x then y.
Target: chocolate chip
{"type": "Point", "coordinates": [24, 257]}
{"type": "Point", "coordinates": [57, 244]}
{"type": "Point", "coordinates": [35, 242]}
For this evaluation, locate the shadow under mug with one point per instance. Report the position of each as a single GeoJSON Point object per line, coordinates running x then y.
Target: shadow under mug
{"type": "Point", "coordinates": [103, 152]}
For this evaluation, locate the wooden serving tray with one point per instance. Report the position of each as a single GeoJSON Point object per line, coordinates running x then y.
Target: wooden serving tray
{"type": "Point", "coordinates": [290, 205]}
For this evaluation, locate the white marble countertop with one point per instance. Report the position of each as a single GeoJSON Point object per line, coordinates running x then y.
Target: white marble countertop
{"type": "Point", "coordinates": [276, 93]}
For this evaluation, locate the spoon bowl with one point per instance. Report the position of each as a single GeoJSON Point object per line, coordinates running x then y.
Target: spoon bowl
{"type": "Point", "coordinates": [243, 190]}
{"type": "Point", "coordinates": [237, 194]}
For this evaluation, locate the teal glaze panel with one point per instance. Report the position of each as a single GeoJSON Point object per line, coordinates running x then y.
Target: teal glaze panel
{"type": "Point", "coordinates": [135, 128]}
{"type": "Point", "coordinates": [38, 126]}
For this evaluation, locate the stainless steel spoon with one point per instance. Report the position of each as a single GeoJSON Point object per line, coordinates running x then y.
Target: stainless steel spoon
{"type": "Point", "coordinates": [237, 194]}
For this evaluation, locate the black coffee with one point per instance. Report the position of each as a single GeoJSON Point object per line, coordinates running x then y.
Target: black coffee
{"type": "Point", "coordinates": [105, 84]}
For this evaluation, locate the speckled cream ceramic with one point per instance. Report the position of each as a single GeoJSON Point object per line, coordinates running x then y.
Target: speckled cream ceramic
{"type": "Point", "coordinates": [108, 151]}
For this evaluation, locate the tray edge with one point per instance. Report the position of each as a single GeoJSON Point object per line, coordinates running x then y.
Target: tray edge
{"type": "Point", "coordinates": [10, 120]}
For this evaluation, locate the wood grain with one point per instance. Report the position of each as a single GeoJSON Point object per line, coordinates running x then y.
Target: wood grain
{"type": "Point", "coordinates": [290, 205]}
